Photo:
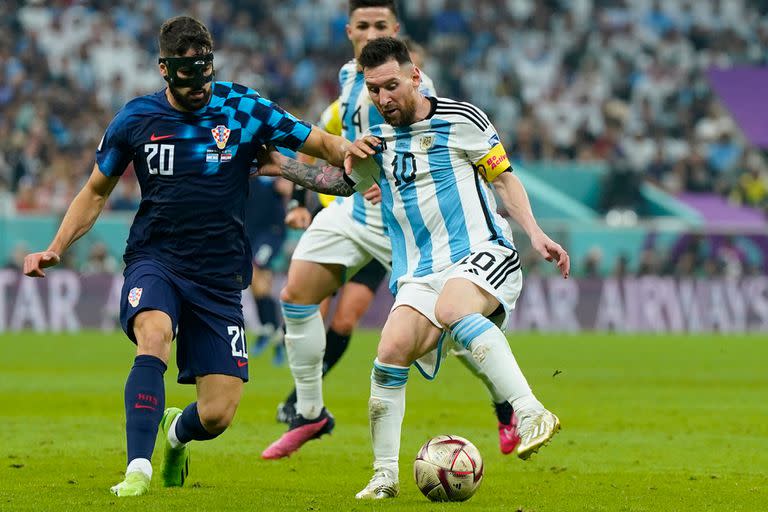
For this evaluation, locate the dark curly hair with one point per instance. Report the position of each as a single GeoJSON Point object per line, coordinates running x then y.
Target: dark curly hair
{"type": "Point", "coordinates": [179, 34]}
{"type": "Point", "coordinates": [383, 49]}
{"type": "Point", "coordinates": [359, 4]}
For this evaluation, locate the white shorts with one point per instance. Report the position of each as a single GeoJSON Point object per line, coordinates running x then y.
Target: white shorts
{"type": "Point", "coordinates": [335, 238]}
{"type": "Point", "coordinates": [494, 268]}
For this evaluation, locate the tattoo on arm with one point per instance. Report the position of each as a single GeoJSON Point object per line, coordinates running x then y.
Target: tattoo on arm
{"type": "Point", "coordinates": [325, 178]}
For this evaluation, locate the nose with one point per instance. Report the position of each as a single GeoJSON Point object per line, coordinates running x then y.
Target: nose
{"type": "Point", "coordinates": [372, 34]}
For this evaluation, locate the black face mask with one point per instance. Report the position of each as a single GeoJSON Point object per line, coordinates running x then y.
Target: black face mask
{"type": "Point", "coordinates": [194, 67]}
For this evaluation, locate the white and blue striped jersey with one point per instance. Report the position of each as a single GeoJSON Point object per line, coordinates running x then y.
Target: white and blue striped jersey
{"type": "Point", "coordinates": [433, 175]}
{"type": "Point", "coordinates": [357, 114]}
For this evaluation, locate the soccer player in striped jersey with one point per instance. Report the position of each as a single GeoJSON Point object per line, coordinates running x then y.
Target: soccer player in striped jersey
{"type": "Point", "coordinates": [455, 267]}
{"type": "Point", "coordinates": [347, 238]}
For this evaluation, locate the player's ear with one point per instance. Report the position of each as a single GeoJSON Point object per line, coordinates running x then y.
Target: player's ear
{"type": "Point", "coordinates": [415, 76]}
{"type": "Point", "coordinates": [163, 69]}
{"type": "Point", "coordinates": [397, 29]}
{"type": "Point", "coordinates": [348, 29]}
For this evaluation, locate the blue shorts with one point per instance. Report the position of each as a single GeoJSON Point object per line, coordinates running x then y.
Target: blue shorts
{"type": "Point", "coordinates": [266, 246]}
{"type": "Point", "coordinates": [207, 322]}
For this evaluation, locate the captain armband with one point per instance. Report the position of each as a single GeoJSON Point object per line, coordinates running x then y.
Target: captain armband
{"type": "Point", "coordinates": [493, 163]}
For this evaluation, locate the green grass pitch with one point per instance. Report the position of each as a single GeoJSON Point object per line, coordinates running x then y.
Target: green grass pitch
{"type": "Point", "coordinates": [652, 423]}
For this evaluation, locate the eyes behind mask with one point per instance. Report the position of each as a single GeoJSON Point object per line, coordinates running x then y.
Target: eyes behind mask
{"type": "Point", "coordinates": [193, 67]}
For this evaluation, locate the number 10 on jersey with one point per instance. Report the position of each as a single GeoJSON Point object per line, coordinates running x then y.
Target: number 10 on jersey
{"type": "Point", "coordinates": [404, 168]}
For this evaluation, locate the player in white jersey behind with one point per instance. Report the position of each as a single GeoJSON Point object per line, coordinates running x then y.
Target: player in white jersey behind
{"type": "Point", "coordinates": [348, 235]}
{"type": "Point", "coordinates": [455, 268]}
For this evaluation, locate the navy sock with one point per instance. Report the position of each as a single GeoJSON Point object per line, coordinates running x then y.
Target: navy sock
{"type": "Point", "coordinates": [291, 398]}
{"type": "Point", "coordinates": [504, 412]}
{"type": "Point", "coordinates": [190, 428]}
{"type": "Point", "coordinates": [335, 346]}
{"type": "Point", "coordinates": [144, 405]}
{"type": "Point", "coordinates": [267, 308]}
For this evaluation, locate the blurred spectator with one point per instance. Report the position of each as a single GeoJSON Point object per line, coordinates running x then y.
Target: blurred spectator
{"type": "Point", "coordinates": [621, 192]}
{"type": "Point", "coordinates": [126, 197]}
{"type": "Point", "coordinates": [99, 261]}
{"type": "Point", "coordinates": [567, 80]}
{"type": "Point", "coordinates": [16, 259]}
{"type": "Point", "coordinates": [649, 264]}
{"type": "Point", "coordinates": [26, 199]}
{"type": "Point", "coordinates": [659, 165]}
{"type": "Point", "coordinates": [711, 268]}
{"type": "Point", "coordinates": [621, 269]}
{"type": "Point", "coordinates": [7, 206]}
{"type": "Point", "coordinates": [68, 261]}
{"type": "Point", "coordinates": [619, 81]}
{"type": "Point", "coordinates": [532, 263]}
{"type": "Point", "coordinates": [592, 263]}
{"type": "Point", "coordinates": [691, 174]}
{"type": "Point", "coordinates": [450, 27]}
{"type": "Point", "coordinates": [730, 258]}
{"type": "Point", "coordinates": [724, 153]}
{"type": "Point", "coordinates": [685, 265]}
{"type": "Point", "coordinates": [752, 185]}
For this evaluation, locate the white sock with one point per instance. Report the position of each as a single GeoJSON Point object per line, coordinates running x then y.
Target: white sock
{"type": "Point", "coordinates": [491, 351]}
{"type": "Point", "coordinates": [305, 347]}
{"type": "Point", "coordinates": [386, 409]}
{"type": "Point", "coordinates": [465, 357]}
{"type": "Point", "coordinates": [142, 465]}
{"type": "Point", "coordinates": [172, 439]}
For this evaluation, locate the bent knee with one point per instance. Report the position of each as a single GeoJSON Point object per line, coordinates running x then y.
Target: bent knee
{"type": "Point", "coordinates": [153, 331]}
{"type": "Point", "coordinates": [289, 294]}
{"type": "Point", "coordinates": [294, 294]}
{"type": "Point", "coordinates": [344, 323]}
{"type": "Point", "coordinates": [448, 313]}
{"type": "Point", "coordinates": [216, 417]}
{"type": "Point", "coordinates": [400, 354]}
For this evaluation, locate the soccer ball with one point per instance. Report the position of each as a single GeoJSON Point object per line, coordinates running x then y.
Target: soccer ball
{"type": "Point", "coordinates": [448, 468]}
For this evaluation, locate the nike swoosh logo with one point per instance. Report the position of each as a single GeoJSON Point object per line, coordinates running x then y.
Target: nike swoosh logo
{"type": "Point", "coordinates": [154, 137]}
{"type": "Point", "coordinates": [140, 406]}
{"type": "Point", "coordinates": [240, 364]}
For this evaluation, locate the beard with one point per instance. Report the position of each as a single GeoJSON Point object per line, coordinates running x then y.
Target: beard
{"type": "Point", "coordinates": [404, 115]}
{"type": "Point", "coordinates": [187, 102]}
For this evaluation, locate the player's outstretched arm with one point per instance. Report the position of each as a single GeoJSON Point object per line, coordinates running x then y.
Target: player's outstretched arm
{"type": "Point", "coordinates": [80, 217]}
{"type": "Point", "coordinates": [516, 201]}
{"type": "Point", "coordinates": [323, 178]}
{"type": "Point", "coordinates": [330, 148]}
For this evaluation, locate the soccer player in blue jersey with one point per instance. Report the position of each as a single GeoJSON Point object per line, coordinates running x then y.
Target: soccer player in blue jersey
{"type": "Point", "coordinates": [265, 226]}
{"type": "Point", "coordinates": [187, 257]}
{"type": "Point", "coordinates": [455, 268]}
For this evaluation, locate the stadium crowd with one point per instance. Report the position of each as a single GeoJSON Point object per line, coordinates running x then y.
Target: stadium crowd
{"type": "Point", "coordinates": [620, 81]}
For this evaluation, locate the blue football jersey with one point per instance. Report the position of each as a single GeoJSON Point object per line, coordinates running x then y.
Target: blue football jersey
{"type": "Point", "coordinates": [193, 170]}
{"type": "Point", "coordinates": [265, 208]}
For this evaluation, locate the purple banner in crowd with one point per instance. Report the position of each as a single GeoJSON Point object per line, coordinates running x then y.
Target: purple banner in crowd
{"type": "Point", "coordinates": [742, 90]}
{"type": "Point", "coordinates": [717, 211]}
{"type": "Point", "coordinates": [67, 301]}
